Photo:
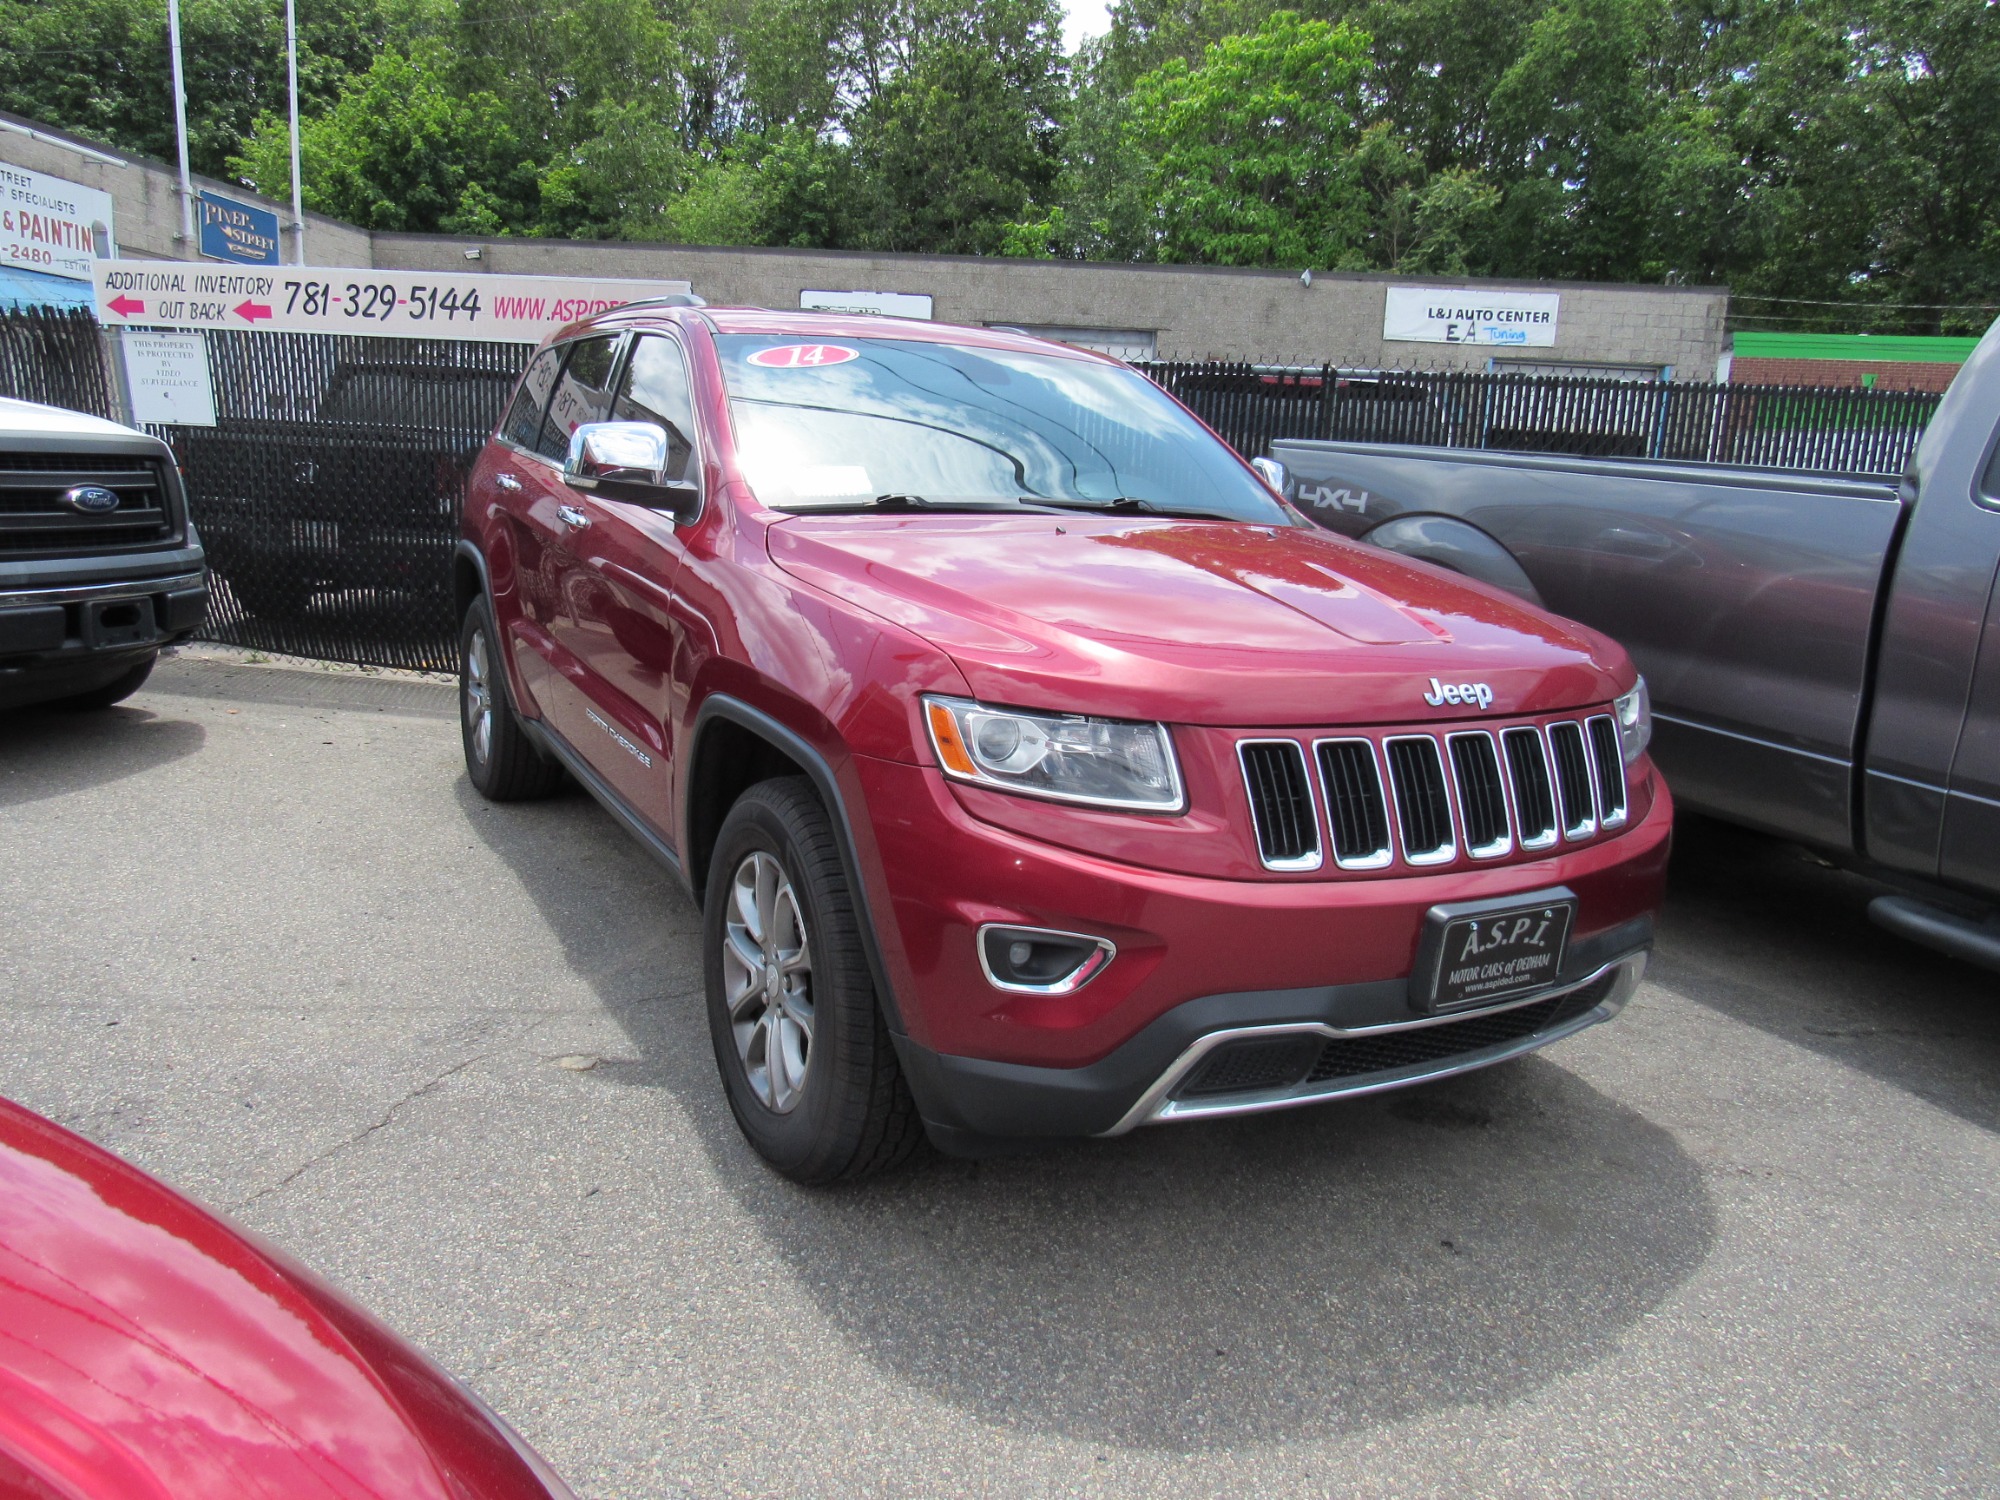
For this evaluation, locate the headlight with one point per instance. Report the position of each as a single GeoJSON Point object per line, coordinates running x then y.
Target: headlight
{"type": "Point", "coordinates": [1635, 721]}
{"type": "Point", "coordinates": [1071, 758]}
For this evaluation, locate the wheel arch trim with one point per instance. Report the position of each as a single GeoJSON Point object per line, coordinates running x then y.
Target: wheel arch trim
{"type": "Point", "coordinates": [724, 707]}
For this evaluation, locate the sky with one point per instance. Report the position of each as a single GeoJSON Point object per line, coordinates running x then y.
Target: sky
{"type": "Point", "coordinates": [1084, 18]}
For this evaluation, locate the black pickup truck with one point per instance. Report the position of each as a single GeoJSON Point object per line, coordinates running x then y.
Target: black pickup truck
{"type": "Point", "coordinates": [99, 564]}
{"type": "Point", "coordinates": [1823, 652]}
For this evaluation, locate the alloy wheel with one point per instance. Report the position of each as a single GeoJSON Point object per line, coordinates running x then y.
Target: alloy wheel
{"type": "Point", "coordinates": [767, 981]}
{"type": "Point", "coordinates": [478, 698]}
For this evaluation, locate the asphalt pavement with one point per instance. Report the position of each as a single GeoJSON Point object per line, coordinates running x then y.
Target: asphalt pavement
{"type": "Point", "coordinates": [258, 936]}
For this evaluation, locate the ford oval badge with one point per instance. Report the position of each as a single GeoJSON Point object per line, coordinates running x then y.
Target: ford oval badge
{"type": "Point", "coordinates": [89, 499]}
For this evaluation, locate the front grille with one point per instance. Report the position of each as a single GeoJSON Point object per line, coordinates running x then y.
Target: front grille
{"type": "Point", "coordinates": [1482, 801]}
{"type": "Point", "coordinates": [1610, 757]}
{"type": "Point", "coordinates": [1355, 805]}
{"type": "Point", "coordinates": [1281, 803]}
{"type": "Point", "coordinates": [32, 521]}
{"type": "Point", "coordinates": [1534, 797]}
{"type": "Point", "coordinates": [1578, 801]}
{"type": "Point", "coordinates": [1422, 805]}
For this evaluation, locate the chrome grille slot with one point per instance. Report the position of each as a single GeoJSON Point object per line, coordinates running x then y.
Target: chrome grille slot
{"type": "Point", "coordinates": [1281, 803]}
{"type": "Point", "coordinates": [1482, 798]}
{"type": "Point", "coordinates": [1355, 806]}
{"type": "Point", "coordinates": [1423, 807]}
{"type": "Point", "coordinates": [1534, 796]}
{"type": "Point", "coordinates": [1576, 797]}
{"type": "Point", "coordinates": [1609, 758]}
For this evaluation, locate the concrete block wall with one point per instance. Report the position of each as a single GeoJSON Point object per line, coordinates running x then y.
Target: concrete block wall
{"type": "Point", "coordinates": [1193, 312]}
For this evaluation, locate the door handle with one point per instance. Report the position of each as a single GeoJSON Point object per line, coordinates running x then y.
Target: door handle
{"type": "Point", "coordinates": [569, 515]}
{"type": "Point", "coordinates": [507, 481]}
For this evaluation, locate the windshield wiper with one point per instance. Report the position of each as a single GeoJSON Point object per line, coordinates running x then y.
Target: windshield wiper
{"type": "Point", "coordinates": [1130, 505]}
{"type": "Point", "coordinates": [895, 501]}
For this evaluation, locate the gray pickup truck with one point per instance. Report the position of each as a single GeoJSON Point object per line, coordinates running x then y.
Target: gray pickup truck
{"type": "Point", "coordinates": [99, 564]}
{"type": "Point", "coordinates": [1823, 652]}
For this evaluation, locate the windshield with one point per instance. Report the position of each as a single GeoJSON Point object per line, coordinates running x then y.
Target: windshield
{"type": "Point", "coordinates": [839, 425]}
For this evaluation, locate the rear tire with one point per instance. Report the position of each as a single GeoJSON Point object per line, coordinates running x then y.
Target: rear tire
{"type": "Point", "coordinates": [805, 1057]}
{"type": "Point", "coordinates": [117, 690]}
{"type": "Point", "coordinates": [501, 762]}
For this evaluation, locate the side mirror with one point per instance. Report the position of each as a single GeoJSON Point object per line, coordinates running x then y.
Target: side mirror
{"type": "Point", "coordinates": [628, 461]}
{"type": "Point", "coordinates": [1272, 473]}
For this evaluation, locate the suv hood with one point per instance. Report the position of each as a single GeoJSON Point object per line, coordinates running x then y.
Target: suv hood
{"type": "Point", "coordinates": [1198, 622]}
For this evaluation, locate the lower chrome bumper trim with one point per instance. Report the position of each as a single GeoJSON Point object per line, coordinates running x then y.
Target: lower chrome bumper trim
{"type": "Point", "coordinates": [1157, 1106]}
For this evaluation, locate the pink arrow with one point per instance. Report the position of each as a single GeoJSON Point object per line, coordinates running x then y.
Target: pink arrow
{"type": "Point", "coordinates": [125, 306]}
{"type": "Point", "coordinates": [250, 312]}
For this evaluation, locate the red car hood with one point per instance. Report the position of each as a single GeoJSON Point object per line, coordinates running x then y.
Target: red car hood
{"type": "Point", "coordinates": [1198, 622]}
{"type": "Point", "coordinates": [149, 1351]}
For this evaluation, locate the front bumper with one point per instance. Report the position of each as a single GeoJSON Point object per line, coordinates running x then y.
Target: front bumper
{"type": "Point", "coordinates": [1201, 962]}
{"type": "Point", "coordinates": [70, 636]}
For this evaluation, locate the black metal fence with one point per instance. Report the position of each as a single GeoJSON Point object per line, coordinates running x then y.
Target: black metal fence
{"type": "Point", "coordinates": [328, 492]}
{"type": "Point", "coordinates": [54, 356]}
{"type": "Point", "coordinates": [1829, 430]}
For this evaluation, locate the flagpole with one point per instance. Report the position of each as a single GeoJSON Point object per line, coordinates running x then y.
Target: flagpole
{"type": "Point", "coordinates": [181, 127]}
{"type": "Point", "coordinates": [292, 65]}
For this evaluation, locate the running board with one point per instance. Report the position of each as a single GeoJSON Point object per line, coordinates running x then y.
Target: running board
{"type": "Point", "coordinates": [1977, 941]}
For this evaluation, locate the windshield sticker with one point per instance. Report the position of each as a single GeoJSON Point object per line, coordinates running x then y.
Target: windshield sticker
{"type": "Point", "coordinates": [803, 356]}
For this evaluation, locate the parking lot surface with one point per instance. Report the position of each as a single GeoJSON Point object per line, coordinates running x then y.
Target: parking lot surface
{"type": "Point", "coordinates": [262, 939]}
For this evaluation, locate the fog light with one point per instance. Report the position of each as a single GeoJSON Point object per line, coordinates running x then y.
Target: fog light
{"type": "Point", "coordinates": [1037, 961]}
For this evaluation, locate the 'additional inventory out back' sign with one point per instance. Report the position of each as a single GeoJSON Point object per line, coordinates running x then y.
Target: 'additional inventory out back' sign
{"type": "Point", "coordinates": [1468, 315]}
{"type": "Point", "coordinates": [324, 299]}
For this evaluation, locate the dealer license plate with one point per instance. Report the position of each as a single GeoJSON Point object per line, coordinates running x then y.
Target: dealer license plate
{"type": "Point", "coordinates": [1479, 957]}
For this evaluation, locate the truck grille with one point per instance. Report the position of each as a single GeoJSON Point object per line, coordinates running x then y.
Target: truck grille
{"type": "Point", "coordinates": [1483, 795]}
{"type": "Point", "coordinates": [33, 521]}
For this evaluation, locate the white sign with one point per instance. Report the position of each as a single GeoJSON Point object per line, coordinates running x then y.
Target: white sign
{"type": "Point", "coordinates": [326, 299]}
{"type": "Point", "coordinates": [167, 375]}
{"type": "Point", "coordinates": [52, 226]}
{"type": "Point", "coordinates": [874, 304]}
{"type": "Point", "coordinates": [1467, 315]}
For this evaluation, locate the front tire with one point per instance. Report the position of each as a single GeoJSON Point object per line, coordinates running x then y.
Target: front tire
{"type": "Point", "coordinates": [805, 1057]}
{"type": "Point", "coordinates": [501, 762]}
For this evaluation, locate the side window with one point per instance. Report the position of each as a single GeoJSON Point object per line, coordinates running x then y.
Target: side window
{"type": "Point", "coordinates": [655, 389]}
{"type": "Point", "coordinates": [1989, 487]}
{"type": "Point", "coordinates": [524, 417]}
{"type": "Point", "coordinates": [581, 394]}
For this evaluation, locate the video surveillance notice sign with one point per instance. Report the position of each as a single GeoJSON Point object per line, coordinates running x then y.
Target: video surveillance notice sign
{"type": "Point", "coordinates": [1470, 315]}
{"type": "Point", "coordinates": [325, 299]}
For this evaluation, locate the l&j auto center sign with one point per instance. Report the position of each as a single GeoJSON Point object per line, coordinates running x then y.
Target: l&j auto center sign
{"type": "Point", "coordinates": [325, 299]}
{"type": "Point", "coordinates": [1468, 315]}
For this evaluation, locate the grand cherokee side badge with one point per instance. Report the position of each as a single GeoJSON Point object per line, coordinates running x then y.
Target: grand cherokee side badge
{"type": "Point", "coordinates": [1458, 692]}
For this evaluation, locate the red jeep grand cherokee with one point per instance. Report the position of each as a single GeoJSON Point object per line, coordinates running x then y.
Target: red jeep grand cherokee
{"type": "Point", "coordinates": [1037, 770]}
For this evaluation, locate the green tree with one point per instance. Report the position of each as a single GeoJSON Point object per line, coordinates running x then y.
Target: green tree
{"type": "Point", "coordinates": [1252, 153]}
{"type": "Point", "coordinates": [401, 151]}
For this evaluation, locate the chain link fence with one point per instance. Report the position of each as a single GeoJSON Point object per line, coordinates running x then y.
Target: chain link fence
{"type": "Point", "coordinates": [329, 491]}
{"type": "Point", "coordinates": [1841, 431]}
{"type": "Point", "coordinates": [54, 356]}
